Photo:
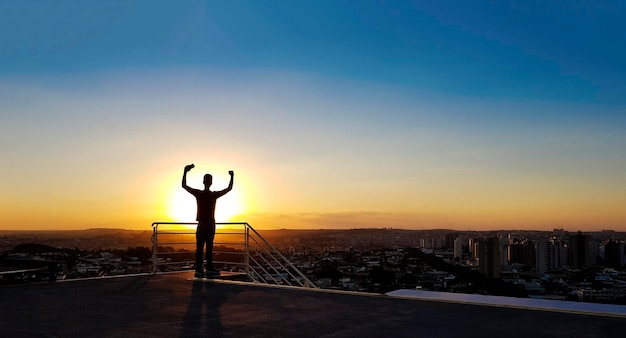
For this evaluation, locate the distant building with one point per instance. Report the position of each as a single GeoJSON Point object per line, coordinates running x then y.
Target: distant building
{"type": "Point", "coordinates": [521, 252]}
{"type": "Point", "coordinates": [614, 254]}
{"type": "Point", "coordinates": [583, 251]}
{"type": "Point", "coordinates": [473, 244]}
{"type": "Point", "coordinates": [542, 256]}
{"type": "Point", "coordinates": [558, 253]}
{"type": "Point", "coordinates": [504, 251]}
{"type": "Point", "coordinates": [489, 257]}
{"type": "Point", "coordinates": [458, 248]}
{"type": "Point", "coordinates": [578, 246]}
{"type": "Point", "coordinates": [450, 238]}
{"type": "Point", "coordinates": [593, 252]}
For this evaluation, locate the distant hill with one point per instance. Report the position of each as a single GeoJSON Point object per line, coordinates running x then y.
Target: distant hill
{"type": "Point", "coordinates": [90, 239]}
{"type": "Point", "coordinates": [34, 248]}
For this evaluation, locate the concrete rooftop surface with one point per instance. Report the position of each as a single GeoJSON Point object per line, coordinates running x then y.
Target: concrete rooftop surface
{"type": "Point", "coordinates": [176, 305]}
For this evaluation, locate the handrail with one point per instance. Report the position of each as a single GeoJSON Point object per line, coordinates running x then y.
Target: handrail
{"type": "Point", "coordinates": [262, 262]}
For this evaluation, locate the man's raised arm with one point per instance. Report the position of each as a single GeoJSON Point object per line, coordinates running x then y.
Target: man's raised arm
{"type": "Point", "coordinates": [230, 184]}
{"type": "Point", "coordinates": [184, 182]}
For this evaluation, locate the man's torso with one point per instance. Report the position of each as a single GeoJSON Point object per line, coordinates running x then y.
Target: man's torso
{"type": "Point", "coordinates": [206, 206]}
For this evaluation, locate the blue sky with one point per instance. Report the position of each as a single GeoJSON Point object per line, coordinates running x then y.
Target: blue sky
{"type": "Point", "coordinates": [401, 108]}
{"type": "Point", "coordinates": [562, 50]}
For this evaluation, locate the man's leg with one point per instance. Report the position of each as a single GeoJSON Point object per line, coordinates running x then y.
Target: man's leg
{"type": "Point", "coordinates": [200, 240]}
{"type": "Point", "coordinates": [210, 236]}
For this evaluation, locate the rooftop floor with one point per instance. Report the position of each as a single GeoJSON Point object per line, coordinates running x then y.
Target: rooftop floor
{"type": "Point", "coordinates": [176, 305]}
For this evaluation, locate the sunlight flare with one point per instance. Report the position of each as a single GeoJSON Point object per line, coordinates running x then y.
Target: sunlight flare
{"type": "Point", "coordinates": [181, 206]}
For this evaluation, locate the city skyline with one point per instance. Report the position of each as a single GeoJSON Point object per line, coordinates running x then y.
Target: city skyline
{"type": "Point", "coordinates": [332, 114]}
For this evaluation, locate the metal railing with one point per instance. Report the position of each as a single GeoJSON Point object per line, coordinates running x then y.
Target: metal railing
{"type": "Point", "coordinates": [237, 248]}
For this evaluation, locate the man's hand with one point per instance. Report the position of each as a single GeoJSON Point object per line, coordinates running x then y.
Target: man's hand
{"type": "Point", "coordinates": [189, 167]}
{"type": "Point", "coordinates": [231, 173]}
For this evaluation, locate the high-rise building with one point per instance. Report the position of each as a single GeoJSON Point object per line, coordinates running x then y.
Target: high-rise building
{"type": "Point", "coordinates": [578, 250]}
{"type": "Point", "coordinates": [450, 238]}
{"type": "Point", "coordinates": [458, 248]}
{"type": "Point", "coordinates": [592, 254]}
{"type": "Point", "coordinates": [558, 253]}
{"type": "Point", "coordinates": [521, 252]}
{"type": "Point", "coordinates": [504, 251]}
{"type": "Point", "coordinates": [473, 248]}
{"type": "Point", "coordinates": [489, 257]}
{"type": "Point", "coordinates": [583, 251]}
{"type": "Point", "coordinates": [614, 254]}
{"type": "Point", "coordinates": [542, 256]}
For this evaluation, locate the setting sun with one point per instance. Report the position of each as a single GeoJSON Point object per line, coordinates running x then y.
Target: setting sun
{"type": "Point", "coordinates": [181, 206]}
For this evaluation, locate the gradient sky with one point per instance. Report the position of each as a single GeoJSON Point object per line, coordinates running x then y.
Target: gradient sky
{"type": "Point", "coordinates": [333, 114]}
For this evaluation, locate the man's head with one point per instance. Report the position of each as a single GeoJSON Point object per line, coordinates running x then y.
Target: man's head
{"type": "Point", "coordinates": [208, 180]}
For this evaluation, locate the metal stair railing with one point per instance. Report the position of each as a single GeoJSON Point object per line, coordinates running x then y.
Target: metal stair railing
{"type": "Point", "coordinates": [237, 248]}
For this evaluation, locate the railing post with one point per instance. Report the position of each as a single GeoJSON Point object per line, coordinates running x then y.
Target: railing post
{"type": "Point", "coordinates": [247, 250]}
{"type": "Point", "coordinates": [155, 246]}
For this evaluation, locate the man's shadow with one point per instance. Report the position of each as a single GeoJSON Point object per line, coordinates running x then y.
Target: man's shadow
{"type": "Point", "coordinates": [202, 318]}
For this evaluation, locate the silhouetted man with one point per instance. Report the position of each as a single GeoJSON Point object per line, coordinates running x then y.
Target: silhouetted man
{"type": "Point", "coordinates": [205, 232]}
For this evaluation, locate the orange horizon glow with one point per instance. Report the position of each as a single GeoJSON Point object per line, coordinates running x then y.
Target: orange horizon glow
{"type": "Point", "coordinates": [170, 203]}
{"type": "Point", "coordinates": [276, 198]}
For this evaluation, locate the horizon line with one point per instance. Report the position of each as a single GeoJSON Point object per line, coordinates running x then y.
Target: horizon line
{"type": "Point", "coordinates": [326, 229]}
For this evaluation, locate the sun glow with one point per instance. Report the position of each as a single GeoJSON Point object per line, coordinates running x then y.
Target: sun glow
{"type": "Point", "coordinates": [181, 206]}
{"type": "Point", "coordinates": [229, 207]}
